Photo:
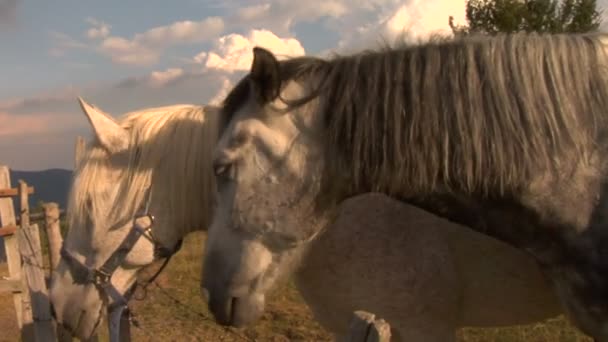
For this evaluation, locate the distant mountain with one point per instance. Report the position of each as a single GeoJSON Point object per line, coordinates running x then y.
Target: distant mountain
{"type": "Point", "coordinates": [50, 185]}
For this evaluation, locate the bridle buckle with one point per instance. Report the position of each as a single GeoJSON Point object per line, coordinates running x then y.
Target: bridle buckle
{"type": "Point", "coordinates": [101, 277]}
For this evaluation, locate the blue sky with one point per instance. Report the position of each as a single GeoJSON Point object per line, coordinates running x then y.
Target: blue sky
{"type": "Point", "coordinates": [126, 55]}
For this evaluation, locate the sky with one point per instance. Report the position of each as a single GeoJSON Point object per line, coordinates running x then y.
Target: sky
{"type": "Point", "coordinates": [129, 55]}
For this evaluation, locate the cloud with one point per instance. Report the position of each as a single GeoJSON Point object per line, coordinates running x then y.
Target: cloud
{"type": "Point", "coordinates": [226, 86]}
{"type": "Point", "coordinates": [412, 21]}
{"type": "Point", "coordinates": [49, 102]}
{"type": "Point", "coordinates": [234, 52]}
{"type": "Point", "coordinates": [279, 16]}
{"type": "Point", "coordinates": [207, 77]}
{"type": "Point", "coordinates": [13, 125]}
{"type": "Point", "coordinates": [99, 29]}
{"type": "Point", "coordinates": [8, 12]}
{"type": "Point", "coordinates": [63, 42]}
{"type": "Point", "coordinates": [145, 48]}
{"type": "Point", "coordinates": [54, 120]}
{"type": "Point", "coordinates": [160, 78]}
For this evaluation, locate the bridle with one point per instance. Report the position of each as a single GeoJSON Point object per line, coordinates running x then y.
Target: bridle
{"type": "Point", "coordinates": [101, 277]}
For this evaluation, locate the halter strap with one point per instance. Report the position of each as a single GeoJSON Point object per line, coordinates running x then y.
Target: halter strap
{"type": "Point", "coordinates": [118, 310]}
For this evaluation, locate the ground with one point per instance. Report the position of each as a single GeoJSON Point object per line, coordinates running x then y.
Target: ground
{"type": "Point", "coordinates": [175, 311]}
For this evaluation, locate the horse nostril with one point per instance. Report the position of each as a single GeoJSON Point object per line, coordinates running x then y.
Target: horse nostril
{"type": "Point", "coordinates": [53, 314]}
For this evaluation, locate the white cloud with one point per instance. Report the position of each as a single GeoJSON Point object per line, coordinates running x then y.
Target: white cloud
{"type": "Point", "coordinates": [161, 78]}
{"type": "Point", "coordinates": [253, 12]}
{"type": "Point", "coordinates": [279, 16]}
{"type": "Point", "coordinates": [99, 29]}
{"type": "Point", "coordinates": [414, 20]}
{"type": "Point", "coordinates": [222, 93]}
{"type": "Point", "coordinates": [144, 48]}
{"type": "Point", "coordinates": [63, 42]}
{"type": "Point", "coordinates": [234, 52]}
{"type": "Point", "coordinates": [209, 76]}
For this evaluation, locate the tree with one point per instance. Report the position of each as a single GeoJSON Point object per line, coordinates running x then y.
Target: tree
{"type": "Point", "coordinates": [542, 16]}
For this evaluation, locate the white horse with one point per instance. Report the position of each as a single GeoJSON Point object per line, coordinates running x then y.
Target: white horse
{"type": "Point", "coordinates": [484, 131]}
{"type": "Point", "coordinates": [152, 162]}
{"type": "Point", "coordinates": [453, 272]}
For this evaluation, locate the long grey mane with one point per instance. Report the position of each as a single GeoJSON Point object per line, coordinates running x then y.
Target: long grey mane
{"type": "Point", "coordinates": [477, 115]}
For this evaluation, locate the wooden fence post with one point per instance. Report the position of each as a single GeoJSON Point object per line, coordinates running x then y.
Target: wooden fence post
{"type": "Point", "coordinates": [364, 327]}
{"type": "Point", "coordinates": [27, 330]}
{"type": "Point", "coordinates": [7, 218]}
{"type": "Point", "coordinates": [33, 275]}
{"type": "Point", "coordinates": [53, 232]}
{"type": "Point", "coordinates": [79, 150]}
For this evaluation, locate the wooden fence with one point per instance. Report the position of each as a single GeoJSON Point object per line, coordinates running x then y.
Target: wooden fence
{"type": "Point", "coordinates": [27, 280]}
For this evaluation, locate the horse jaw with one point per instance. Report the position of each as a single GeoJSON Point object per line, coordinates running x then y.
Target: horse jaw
{"type": "Point", "coordinates": [110, 134]}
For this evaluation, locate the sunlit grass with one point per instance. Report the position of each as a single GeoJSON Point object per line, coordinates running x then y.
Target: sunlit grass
{"type": "Point", "coordinates": [286, 319]}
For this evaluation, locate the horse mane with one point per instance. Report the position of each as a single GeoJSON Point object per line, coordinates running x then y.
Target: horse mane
{"type": "Point", "coordinates": [479, 115]}
{"type": "Point", "coordinates": [170, 149]}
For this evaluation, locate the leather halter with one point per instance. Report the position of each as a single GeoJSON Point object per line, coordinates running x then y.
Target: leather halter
{"type": "Point", "coordinates": [101, 277]}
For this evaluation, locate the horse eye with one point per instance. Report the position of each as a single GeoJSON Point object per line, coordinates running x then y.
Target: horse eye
{"type": "Point", "coordinates": [224, 170]}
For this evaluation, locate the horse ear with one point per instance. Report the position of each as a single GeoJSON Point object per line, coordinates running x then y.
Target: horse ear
{"type": "Point", "coordinates": [109, 133]}
{"type": "Point", "coordinates": [265, 75]}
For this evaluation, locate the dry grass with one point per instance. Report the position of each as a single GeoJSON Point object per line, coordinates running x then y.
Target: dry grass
{"type": "Point", "coordinates": [286, 319]}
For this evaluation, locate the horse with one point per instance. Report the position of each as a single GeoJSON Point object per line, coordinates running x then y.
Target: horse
{"type": "Point", "coordinates": [170, 148]}
{"type": "Point", "coordinates": [141, 185]}
{"type": "Point", "coordinates": [426, 276]}
{"type": "Point", "coordinates": [504, 134]}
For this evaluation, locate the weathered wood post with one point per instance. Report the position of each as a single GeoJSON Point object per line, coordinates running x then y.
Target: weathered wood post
{"type": "Point", "coordinates": [53, 229]}
{"type": "Point", "coordinates": [79, 150]}
{"type": "Point", "coordinates": [37, 320]}
{"type": "Point", "coordinates": [33, 273]}
{"type": "Point", "coordinates": [364, 327]}
{"type": "Point", "coordinates": [9, 227]}
{"type": "Point", "coordinates": [53, 232]}
{"type": "Point", "coordinates": [27, 330]}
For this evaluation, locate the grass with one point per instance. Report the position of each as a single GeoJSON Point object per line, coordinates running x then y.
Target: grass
{"type": "Point", "coordinates": [286, 318]}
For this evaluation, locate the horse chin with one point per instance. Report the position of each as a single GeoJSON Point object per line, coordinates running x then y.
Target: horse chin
{"type": "Point", "coordinates": [83, 325]}
{"type": "Point", "coordinates": [87, 326]}
{"type": "Point", "coordinates": [77, 308]}
{"type": "Point", "coordinates": [238, 311]}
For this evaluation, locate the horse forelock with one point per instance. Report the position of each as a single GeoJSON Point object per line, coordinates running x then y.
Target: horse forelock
{"type": "Point", "coordinates": [476, 115]}
{"type": "Point", "coordinates": [170, 149]}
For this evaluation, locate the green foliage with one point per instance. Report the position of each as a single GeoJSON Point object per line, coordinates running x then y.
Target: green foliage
{"type": "Point", "coordinates": [542, 16]}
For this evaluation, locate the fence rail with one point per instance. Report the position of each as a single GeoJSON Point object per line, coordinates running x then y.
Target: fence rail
{"type": "Point", "coordinates": [39, 216]}
{"type": "Point", "coordinates": [26, 281]}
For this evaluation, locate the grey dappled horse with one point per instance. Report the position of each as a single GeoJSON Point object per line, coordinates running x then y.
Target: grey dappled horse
{"type": "Point", "coordinates": [505, 134]}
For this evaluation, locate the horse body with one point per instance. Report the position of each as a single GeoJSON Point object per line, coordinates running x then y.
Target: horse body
{"type": "Point", "coordinates": [506, 135]}
{"type": "Point", "coordinates": [424, 275]}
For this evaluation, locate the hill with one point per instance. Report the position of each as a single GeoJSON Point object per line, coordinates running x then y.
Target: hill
{"type": "Point", "coordinates": [50, 185]}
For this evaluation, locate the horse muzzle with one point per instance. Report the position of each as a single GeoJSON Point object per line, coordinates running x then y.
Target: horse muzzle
{"type": "Point", "coordinates": [236, 311]}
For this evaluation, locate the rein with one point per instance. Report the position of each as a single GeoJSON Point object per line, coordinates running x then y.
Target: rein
{"type": "Point", "coordinates": [101, 277]}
